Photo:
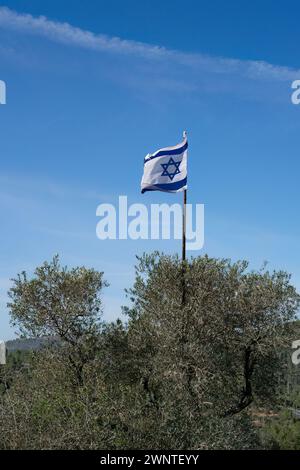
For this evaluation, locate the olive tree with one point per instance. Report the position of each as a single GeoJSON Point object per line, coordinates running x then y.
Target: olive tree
{"type": "Point", "coordinates": [204, 361]}
{"type": "Point", "coordinates": [184, 372]}
{"type": "Point", "coordinates": [61, 304]}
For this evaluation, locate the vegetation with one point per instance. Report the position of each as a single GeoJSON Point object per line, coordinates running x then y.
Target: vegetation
{"type": "Point", "coordinates": [283, 431]}
{"type": "Point", "coordinates": [177, 375]}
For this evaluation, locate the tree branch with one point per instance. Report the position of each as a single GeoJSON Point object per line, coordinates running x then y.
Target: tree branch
{"type": "Point", "coordinates": [246, 394]}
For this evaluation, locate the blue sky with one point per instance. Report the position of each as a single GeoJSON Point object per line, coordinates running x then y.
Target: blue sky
{"type": "Point", "coordinates": [94, 87]}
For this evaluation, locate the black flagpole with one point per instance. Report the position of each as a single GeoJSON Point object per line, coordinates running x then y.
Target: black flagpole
{"type": "Point", "coordinates": [184, 242]}
{"type": "Point", "coordinates": [183, 247]}
{"type": "Point", "coordinates": [184, 227]}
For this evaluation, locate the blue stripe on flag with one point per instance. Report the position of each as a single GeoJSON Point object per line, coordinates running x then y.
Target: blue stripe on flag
{"type": "Point", "coordinates": [162, 153]}
{"type": "Point", "coordinates": [166, 187]}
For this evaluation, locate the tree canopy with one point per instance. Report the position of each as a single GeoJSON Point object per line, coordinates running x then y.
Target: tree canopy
{"type": "Point", "coordinates": [175, 375]}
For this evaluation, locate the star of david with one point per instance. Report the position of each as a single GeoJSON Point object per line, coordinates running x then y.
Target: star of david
{"type": "Point", "coordinates": [166, 166]}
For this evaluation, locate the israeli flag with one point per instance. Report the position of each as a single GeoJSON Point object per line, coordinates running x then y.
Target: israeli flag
{"type": "Point", "coordinates": [166, 169]}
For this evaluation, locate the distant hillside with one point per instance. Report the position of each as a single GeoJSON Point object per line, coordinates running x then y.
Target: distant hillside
{"type": "Point", "coordinates": [30, 344]}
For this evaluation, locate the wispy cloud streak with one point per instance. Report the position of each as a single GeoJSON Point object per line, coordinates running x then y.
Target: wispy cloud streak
{"type": "Point", "coordinates": [65, 33]}
{"type": "Point", "coordinates": [68, 34]}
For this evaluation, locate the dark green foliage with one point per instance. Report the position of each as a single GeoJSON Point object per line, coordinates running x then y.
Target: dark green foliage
{"type": "Point", "coordinates": [176, 376]}
{"type": "Point", "coordinates": [283, 432]}
{"type": "Point", "coordinates": [17, 362]}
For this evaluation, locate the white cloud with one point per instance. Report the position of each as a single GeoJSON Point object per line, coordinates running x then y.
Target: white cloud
{"type": "Point", "coordinates": [67, 34]}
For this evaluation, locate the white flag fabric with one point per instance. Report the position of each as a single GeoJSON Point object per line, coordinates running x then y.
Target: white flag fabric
{"type": "Point", "coordinates": [166, 169]}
